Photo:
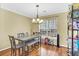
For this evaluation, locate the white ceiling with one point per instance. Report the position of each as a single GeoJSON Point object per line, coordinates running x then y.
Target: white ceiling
{"type": "Point", "coordinates": [29, 9]}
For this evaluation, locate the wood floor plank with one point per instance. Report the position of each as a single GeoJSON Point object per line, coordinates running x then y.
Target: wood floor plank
{"type": "Point", "coordinates": [44, 50]}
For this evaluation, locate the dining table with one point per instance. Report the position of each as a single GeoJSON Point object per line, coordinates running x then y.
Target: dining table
{"type": "Point", "coordinates": [26, 39]}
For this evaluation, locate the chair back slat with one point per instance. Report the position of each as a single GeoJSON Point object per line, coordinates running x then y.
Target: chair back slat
{"type": "Point", "coordinates": [12, 41]}
{"type": "Point", "coordinates": [26, 34]}
{"type": "Point", "coordinates": [19, 35]}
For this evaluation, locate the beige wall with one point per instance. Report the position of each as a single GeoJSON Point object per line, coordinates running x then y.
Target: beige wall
{"type": "Point", "coordinates": [35, 27]}
{"type": "Point", "coordinates": [11, 24]}
{"type": "Point", "coordinates": [61, 26]}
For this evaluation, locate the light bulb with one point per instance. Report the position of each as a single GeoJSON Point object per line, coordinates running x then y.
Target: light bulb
{"type": "Point", "coordinates": [38, 19]}
{"type": "Point", "coordinates": [33, 20]}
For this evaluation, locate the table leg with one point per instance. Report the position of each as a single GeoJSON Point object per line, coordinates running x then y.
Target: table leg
{"type": "Point", "coordinates": [40, 45]}
{"type": "Point", "coordinates": [24, 48]}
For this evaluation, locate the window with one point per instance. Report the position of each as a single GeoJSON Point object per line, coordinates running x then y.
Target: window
{"type": "Point", "coordinates": [48, 27]}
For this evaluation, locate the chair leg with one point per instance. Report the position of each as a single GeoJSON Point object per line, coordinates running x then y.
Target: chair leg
{"type": "Point", "coordinates": [15, 52]}
{"type": "Point", "coordinates": [22, 52]}
{"type": "Point", "coordinates": [19, 51]}
{"type": "Point", "coordinates": [28, 49]}
{"type": "Point", "coordinates": [36, 45]}
{"type": "Point", "coordinates": [11, 52]}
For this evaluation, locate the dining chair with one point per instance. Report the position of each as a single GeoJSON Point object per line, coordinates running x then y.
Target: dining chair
{"type": "Point", "coordinates": [37, 42]}
{"type": "Point", "coordinates": [26, 34]}
{"type": "Point", "coordinates": [20, 35]}
{"type": "Point", "coordinates": [30, 45]}
{"type": "Point", "coordinates": [14, 46]}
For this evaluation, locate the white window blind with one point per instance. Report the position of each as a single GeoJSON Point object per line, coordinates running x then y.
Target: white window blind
{"type": "Point", "coordinates": [49, 25]}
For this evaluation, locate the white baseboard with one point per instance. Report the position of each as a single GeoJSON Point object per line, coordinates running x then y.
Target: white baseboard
{"type": "Point", "coordinates": [63, 45]}
{"type": "Point", "coordinates": [4, 49]}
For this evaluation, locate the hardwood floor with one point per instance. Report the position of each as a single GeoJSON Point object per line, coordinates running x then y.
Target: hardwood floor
{"type": "Point", "coordinates": [44, 50]}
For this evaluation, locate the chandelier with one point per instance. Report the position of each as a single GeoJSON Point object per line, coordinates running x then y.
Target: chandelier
{"type": "Point", "coordinates": [37, 19]}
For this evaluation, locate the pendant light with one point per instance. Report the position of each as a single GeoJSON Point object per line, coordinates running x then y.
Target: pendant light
{"type": "Point", "coordinates": [37, 19]}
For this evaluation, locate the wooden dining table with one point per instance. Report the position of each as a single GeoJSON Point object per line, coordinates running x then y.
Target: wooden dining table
{"type": "Point", "coordinates": [26, 39]}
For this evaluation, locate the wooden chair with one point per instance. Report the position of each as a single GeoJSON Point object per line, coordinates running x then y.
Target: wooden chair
{"type": "Point", "coordinates": [15, 46]}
